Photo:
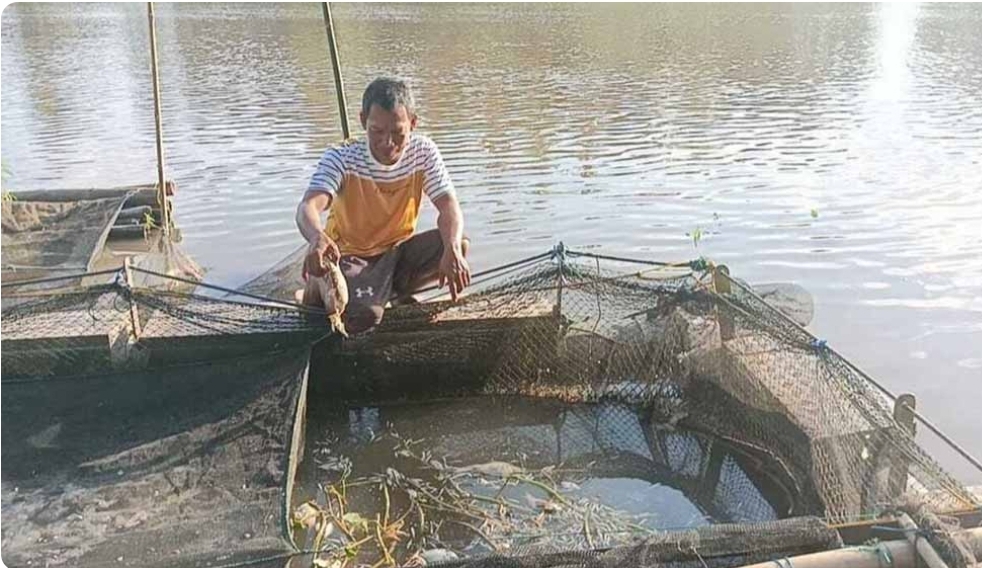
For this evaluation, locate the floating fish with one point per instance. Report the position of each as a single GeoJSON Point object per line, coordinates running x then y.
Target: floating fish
{"type": "Point", "coordinates": [491, 469]}
{"type": "Point", "coordinates": [438, 556]}
{"type": "Point", "coordinates": [46, 437]}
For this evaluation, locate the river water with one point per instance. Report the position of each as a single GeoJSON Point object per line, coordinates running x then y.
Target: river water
{"type": "Point", "coordinates": [836, 146]}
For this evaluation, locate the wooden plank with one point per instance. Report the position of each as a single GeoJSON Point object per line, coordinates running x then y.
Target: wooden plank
{"type": "Point", "coordinates": [448, 314]}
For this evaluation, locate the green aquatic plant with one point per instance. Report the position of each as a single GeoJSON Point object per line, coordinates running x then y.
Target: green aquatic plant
{"type": "Point", "coordinates": [696, 236]}
{"type": "Point", "coordinates": [148, 221]}
{"type": "Point", "coordinates": [4, 176]}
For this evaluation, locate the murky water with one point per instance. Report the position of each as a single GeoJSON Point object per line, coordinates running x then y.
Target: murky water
{"type": "Point", "coordinates": [837, 146]}
{"type": "Point", "coordinates": [543, 473]}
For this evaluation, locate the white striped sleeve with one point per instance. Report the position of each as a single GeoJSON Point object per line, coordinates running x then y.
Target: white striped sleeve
{"type": "Point", "coordinates": [436, 179]}
{"type": "Point", "coordinates": [330, 172]}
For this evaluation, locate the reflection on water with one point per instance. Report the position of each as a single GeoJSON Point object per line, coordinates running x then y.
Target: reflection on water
{"type": "Point", "coordinates": [837, 146]}
{"type": "Point", "coordinates": [634, 475]}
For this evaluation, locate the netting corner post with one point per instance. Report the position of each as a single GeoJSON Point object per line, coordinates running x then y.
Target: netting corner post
{"type": "Point", "coordinates": [559, 255]}
{"type": "Point", "coordinates": [903, 415]}
{"type": "Point", "coordinates": [136, 330]}
{"type": "Point", "coordinates": [721, 285]}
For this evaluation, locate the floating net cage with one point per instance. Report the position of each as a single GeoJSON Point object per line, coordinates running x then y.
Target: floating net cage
{"type": "Point", "coordinates": [164, 424]}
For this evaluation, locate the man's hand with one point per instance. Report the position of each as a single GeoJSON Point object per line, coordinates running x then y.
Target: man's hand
{"type": "Point", "coordinates": [322, 248]}
{"type": "Point", "coordinates": [454, 270]}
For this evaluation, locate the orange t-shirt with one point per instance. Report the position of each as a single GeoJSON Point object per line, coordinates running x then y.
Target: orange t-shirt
{"type": "Point", "coordinates": [374, 206]}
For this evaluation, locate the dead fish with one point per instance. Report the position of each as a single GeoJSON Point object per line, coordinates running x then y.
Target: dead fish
{"type": "Point", "coordinates": [438, 556]}
{"type": "Point", "coordinates": [547, 506]}
{"type": "Point", "coordinates": [306, 515]}
{"type": "Point", "coordinates": [44, 438]}
{"type": "Point", "coordinates": [491, 469]}
{"type": "Point", "coordinates": [333, 291]}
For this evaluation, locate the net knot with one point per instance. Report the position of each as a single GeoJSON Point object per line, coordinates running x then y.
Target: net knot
{"type": "Point", "coordinates": [121, 282]}
{"type": "Point", "coordinates": [559, 252]}
{"type": "Point", "coordinates": [699, 265]}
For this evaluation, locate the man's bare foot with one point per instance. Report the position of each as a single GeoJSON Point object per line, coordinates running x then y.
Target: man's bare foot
{"type": "Point", "coordinates": [403, 301]}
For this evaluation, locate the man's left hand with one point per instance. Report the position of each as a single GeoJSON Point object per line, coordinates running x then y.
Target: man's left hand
{"type": "Point", "coordinates": [454, 271]}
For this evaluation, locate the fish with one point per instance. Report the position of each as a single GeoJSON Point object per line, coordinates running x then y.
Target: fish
{"type": "Point", "coordinates": [491, 469]}
{"type": "Point", "coordinates": [333, 291]}
{"type": "Point", "coordinates": [45, 438]}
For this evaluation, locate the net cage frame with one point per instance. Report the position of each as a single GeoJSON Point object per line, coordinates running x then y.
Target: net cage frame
{"type": "Point", "coordinates": [168, 323]}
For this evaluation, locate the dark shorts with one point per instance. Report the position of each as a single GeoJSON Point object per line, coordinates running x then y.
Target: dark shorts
{"type": "Point", "coordinates": [375, 281]}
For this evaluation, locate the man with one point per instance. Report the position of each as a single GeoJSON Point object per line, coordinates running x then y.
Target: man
{"type": "Point", "coordinates": [373, 189]}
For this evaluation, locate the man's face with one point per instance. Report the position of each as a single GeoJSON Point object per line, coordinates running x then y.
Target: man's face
{"type": "Point", "coordinates": [388, 132]}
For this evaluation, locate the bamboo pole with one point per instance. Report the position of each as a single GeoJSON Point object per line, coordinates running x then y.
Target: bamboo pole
{"type": "Point", "coordinates": [336, 66]}
{"type": "Point", "coordinates": [158, 124]}
{"type": "Point", "coordinates": [894, 553]}
{"type": "Point", "coordinates": [721, 285]}
{"type": "Point", "coordinates": [900, 552]}
{"type": "Point", "coordinates": [134, 314]}
{"type": "Point", "coordinates": [924, 549]}
{"type": "Point", "coordinates": [899, 468]}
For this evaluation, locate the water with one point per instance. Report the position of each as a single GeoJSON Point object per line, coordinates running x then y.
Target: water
{"type": "Point", "coordinates": [837, 146]}
{"type": "Point", "coordinates": [634, 476]}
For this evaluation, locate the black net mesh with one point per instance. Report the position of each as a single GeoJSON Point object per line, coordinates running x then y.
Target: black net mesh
{"type": "Point", "coordinates": [155, 425]}
{"type": "Point", "coordinates": [148, 426]}
{"type": "Point", "coordinates": [42, 236]}
{"type": "Point", "coordinates": [725, 364]}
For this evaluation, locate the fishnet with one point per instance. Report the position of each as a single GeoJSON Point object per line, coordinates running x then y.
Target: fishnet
{"type": "Point", "coordinates": [724, 367]}
{"type": "Point", "coordinates": [579, 331]}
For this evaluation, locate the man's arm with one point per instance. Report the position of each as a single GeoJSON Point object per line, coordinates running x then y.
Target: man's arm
{"type": "Point", "coordinates": [438, 186]}
{"type": "Point", "coordinates": [454, 270]}
{"type": "Point", "coordinates": [450, 220]}
{"type": "Point", "coordinates": [324, 185]}
{"type": "Point", "coordinates": [320, 245]}
{"type": "Point", "coordinates": [309, 215]}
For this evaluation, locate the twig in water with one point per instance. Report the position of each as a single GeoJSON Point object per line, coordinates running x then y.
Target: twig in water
{"type": "Point", "coordinates": [387, 559]}
{"type": "Point", "coordinates": [552, 492]}
{"type": "Point", "coordinates": [478, 532]}
{"type": "Point", "coordinates": [586, 528]}
{"type": "Point", "coordinates": [385, 491]}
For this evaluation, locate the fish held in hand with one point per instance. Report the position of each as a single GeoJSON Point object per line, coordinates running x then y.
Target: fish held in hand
{"type": "Point", "coordinates": [333, 291]}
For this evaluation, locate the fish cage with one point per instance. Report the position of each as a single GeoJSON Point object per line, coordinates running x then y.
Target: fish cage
{"type": "Point", "coordinates": [573, 409]}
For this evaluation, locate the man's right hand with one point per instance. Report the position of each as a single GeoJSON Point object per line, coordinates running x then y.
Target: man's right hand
{"type": "Point", "coordinates": [323, 248]}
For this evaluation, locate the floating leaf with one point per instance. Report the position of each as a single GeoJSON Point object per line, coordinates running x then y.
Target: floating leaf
{"type": "Point", "coordinates": [355, 521]}
{"type": "Point", "coordinates": [696, 236]}
{"type": "Point", "coordinates": [814, 213]}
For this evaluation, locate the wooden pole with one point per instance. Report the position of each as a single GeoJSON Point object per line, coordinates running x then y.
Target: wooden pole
{"type": "Point", "coordinates": [155, 75]}
{"type": "Point", "coordinates": [336, 66]}
{"type": "Point", "coordinates": [902, 554]}
{"type": "Point", "coordinates": [903, 413]}
{"type": "Point", "coordinates": [925, 551]}
{"type": "Point", "coordinates": [134, 315]}
{"type": "Point", "coordinates": [721, 285]}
